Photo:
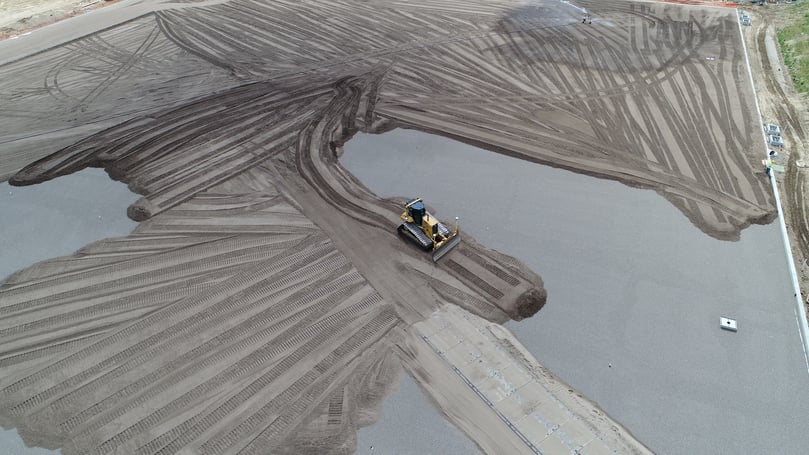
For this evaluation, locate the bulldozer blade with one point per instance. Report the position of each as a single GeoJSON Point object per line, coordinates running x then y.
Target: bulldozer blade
{"type": "Point", "coordinates": [446, 248]}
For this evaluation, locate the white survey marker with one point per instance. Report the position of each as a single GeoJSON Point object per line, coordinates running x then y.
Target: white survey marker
{"type": "Point", "coordinates": [728, 324]}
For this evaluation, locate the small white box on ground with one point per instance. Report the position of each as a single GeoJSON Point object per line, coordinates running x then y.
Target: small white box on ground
{"type": "Point", "coordinates": [728, 324]}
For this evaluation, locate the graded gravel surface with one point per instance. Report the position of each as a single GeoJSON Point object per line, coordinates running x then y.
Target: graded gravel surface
{"type": "Point", "coordinates": [631, 284]}
{"type": "Point", "coordinates": [264, 303]}
{"type": "Point", "coordinates": [409, 423]}
{"type": "Point", "coordinates": [58, 218]}
{"type": "Point", "coordinates": [12, 444]}
{"type": "Point", "coordinates": [527, 79]}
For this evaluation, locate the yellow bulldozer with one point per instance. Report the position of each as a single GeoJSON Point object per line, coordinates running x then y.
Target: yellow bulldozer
{"type": "Point", "coordinates": [426, 231]}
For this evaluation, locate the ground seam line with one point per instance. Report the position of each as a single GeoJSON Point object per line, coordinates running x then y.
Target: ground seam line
{"type": "Point", "coordinates": [483, 397]}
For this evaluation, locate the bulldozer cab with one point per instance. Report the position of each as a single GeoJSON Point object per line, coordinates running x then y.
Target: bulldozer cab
{"type": "Point", "coordinates": [416, 210]}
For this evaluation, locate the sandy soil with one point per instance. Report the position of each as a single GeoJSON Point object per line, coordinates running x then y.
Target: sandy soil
{"type": "Point", "coordinates": [265, 282]}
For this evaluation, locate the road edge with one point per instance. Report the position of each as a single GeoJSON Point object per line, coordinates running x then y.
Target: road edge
{"type": "Point", "coordinates": [800, 311]}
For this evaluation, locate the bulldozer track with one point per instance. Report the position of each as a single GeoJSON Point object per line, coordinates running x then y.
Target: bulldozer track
{"type": "Point", "coordinates": [251, 361]}
{"type": "Point", "coordinates": [472, 278]}
{"type": "Point", "coordinates": [247, 306]}
{"type": "Point", "coordinates": [263, 326]}
{"type": "Point", "coordinates": [141, 350]}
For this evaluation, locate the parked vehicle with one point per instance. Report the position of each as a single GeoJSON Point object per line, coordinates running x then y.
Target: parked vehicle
{"type": "Point", "coordinates": [775, 141]}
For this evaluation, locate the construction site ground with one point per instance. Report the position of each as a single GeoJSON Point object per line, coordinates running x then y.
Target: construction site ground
{"type": "Point", "coordinates": [264, 302]}
{"type": "Point", "coordinates": [781, 104]}
{"type": "Point", "coordinates": [635, 293]}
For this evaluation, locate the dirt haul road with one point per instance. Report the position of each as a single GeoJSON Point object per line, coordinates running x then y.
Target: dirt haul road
{"type": "Point", "coordinates": [781, 104]}
{"type": "Point", "coordinates": [265, 301]}
{"type": "Point", "coordinates": [20, 16]}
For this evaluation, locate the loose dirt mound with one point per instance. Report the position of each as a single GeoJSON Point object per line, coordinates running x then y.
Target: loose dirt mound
{"type": "Point", "coordinates": [530, 302]}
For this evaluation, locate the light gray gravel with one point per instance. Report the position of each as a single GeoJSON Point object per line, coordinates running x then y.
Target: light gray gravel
{"type": "Point", "coordinates": [410, 424]}
{"type": "Point", "coordinates": [54, 219]}
{"type": "Point", "coordinates": [632, 284]}
{"type": "Point", "coordinates": [58, 217]}
{"type": "Point", "coordinates": [12, 444]}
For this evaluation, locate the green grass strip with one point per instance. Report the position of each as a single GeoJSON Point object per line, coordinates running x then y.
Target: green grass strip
{"type": "Point", "coordinates": [793, 39]}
